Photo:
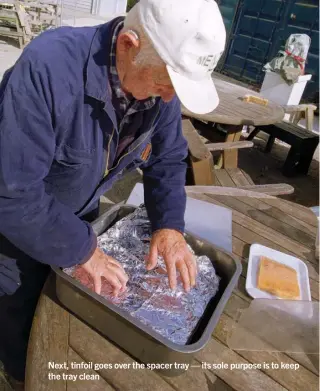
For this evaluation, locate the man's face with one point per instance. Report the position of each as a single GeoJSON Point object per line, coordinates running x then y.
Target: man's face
{"type": "Point", "coordinates": [146, 81]}
{"type": "Point", "coordinates": [141, 81]}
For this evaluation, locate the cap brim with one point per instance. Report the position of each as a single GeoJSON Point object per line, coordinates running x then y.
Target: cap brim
{"type": "Point", "coordinates": [199, 97]}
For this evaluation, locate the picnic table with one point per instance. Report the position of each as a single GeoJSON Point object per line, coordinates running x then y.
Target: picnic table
{"type": "Point", "coordinates": [233, 113]}
{"type": "Point", "coordinates": [58, 336]}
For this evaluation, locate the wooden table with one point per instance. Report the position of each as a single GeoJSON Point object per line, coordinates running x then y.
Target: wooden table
{"type": "Point", "coordinates": [58, 336]}
{"type": "Point", "coordinates": [234, 113]}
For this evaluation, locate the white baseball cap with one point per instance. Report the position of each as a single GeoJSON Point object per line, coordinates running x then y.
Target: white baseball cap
{"type": "Point", "coordinates": [190, 37]}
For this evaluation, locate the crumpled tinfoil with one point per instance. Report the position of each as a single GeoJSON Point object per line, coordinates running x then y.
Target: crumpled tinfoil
{"type": "Point", "coordinates": [173, 314]}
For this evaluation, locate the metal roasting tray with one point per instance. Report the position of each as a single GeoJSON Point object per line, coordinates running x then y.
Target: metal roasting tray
{"type": "Point", "coordinates": [137, 339]}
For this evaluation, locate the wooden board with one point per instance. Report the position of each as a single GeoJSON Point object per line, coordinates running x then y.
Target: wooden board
{"type": "Point", "coordinates": [254, 380]}
{"type": "Point", "coordinates": [256, 191]}
{"type": "Point", "coordinates": [197, 379]}
{"type": "Point", "coordinates": [293, 380]}
{"type": "Point", "coordinates": [278, 214]}
{"type": "Point", "coordinates": [303, 214]}
{"type": "Point", "coordinates": [230, 157]}
{"type": "Point", "coordinates": [235, 177]}
{"type": "Point", "coordinates": [239, 178]}
{"type": "Point", "coordinates": [196, 146]}
{"type": "Point", "coordinates": [82, 384]}
{"type": "Point", "coordinates": [224, 178]}
{"type": "Point", "coordinates": [266, 226]}
{"type": "Point", "coordinates": [99, 350]}
{"type": "Point", "coordinates": [199, 156]}
{"type": "Point", "coordinates": [203, 171]}
{"type": "Point", "coordinates": [229, 145]}
{"type": "Point", "coordinates": [48, 343]}
{"type": "Point", "coordinates": [238, 302]}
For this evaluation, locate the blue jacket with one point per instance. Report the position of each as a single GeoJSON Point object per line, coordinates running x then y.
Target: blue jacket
{"type": "Point", "coordinates": [57, 129]}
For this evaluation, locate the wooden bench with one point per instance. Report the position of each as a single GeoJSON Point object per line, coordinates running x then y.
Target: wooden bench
{"type": "Point", "coordinates": [201, 168]}
{"type": "Point", "coordinates": [297, 112]}
{"type": "Point", "coordinates": [203, 175]}
{"type": "Point", "coordinates": [303, 145]}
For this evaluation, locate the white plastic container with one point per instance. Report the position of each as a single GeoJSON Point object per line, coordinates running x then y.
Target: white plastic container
{"type": "Point", "coordinates": [277, 90]}
{"type": "Point", "coordinates": [256, 251]}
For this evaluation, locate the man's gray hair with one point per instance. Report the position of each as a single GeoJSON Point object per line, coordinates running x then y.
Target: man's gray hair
{"type": "Point", "coordinates": [147, 55]}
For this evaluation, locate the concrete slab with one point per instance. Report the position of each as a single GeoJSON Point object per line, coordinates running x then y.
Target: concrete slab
{"type": "Point", "coordinates": [8, 55]}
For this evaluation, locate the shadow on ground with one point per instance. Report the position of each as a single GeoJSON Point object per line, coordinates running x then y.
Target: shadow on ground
{"type": "Point", "coordinates": [266, 169]}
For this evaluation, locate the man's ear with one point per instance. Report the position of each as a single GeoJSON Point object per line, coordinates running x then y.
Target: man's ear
{"type": "Point", "coordinates": [129, 40]}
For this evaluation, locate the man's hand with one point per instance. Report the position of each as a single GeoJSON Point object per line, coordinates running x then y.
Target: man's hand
{"type": "Point", "coordinates": [101, 265]}
{"type": "Point", "coordinates": [171, 245]}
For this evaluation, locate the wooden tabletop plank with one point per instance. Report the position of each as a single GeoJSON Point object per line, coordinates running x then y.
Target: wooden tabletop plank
{"type": "Point", "coordinates": [243, 206]}
{"type": "Point", "coordinates": [84, 385]}
{"type": "Point", "coordinates": [239, 301]}
{"type": "Point", "coordinates": [306, 253]}
{"type": "Point", "coordinates": [224, 178]}
{"type": "Point", "coordinates": [48, 343]}
{"type": "Point", "coordinates": [281, 216]}
{"type": "Point", "coordinates": [249, 179]}
{"type": "Point", "coordinates": [238, 177]}
{"type": "Point", "coordinates": [293, 380]}
{"type": "Point", "coordinates": [92, 347]}
{"type": "Point", "coordinates": [300, 250]}
{"type": "Point", "coordinates": [198, 379]}
{"type": "Point", "coordinates": [252, 380]}
{"type": "Point", "coordinates": [300, 212]}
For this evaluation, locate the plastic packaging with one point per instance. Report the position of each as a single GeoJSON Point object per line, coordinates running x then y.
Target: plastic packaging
{"type": "Point", "coordinates": [277, 326]}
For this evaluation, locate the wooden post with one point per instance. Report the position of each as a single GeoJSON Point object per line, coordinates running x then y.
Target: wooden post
{"type": "Point", "coordinates": [230, 157]}
{"type": "Point", "coordinates": [200, 157]}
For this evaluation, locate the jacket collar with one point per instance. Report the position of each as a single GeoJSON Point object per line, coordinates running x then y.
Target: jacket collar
{"type": "Point", "coordinates": [96, 71]}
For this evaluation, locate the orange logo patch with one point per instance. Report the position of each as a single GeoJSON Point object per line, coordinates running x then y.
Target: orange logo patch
{"type": "Point", "coordinates": [146, 152]}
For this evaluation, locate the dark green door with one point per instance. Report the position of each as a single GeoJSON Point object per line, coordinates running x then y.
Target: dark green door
{"type": "Point", "coordinates": [228, 10]}
{"type": "Point", "coordinates": [261, 28]}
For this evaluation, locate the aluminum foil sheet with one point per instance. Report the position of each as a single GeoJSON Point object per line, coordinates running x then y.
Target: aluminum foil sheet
{"type": "Point", "coordinates": [173, 314]}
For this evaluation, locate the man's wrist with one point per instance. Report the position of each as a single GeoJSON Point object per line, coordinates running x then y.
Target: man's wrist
{"type": "Point", "coordinates": [170, 229]}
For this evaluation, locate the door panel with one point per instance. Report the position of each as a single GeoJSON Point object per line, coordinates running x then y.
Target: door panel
{"type": "Point", "coordinates": [261, 29]}
{"type": "Point", "coordinates": [252, 38]}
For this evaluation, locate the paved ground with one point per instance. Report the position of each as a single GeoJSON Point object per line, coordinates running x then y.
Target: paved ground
{"type": "Point", "coordinates": [266, 169]}
{"type": "Point", "coordinates": [9, 54]}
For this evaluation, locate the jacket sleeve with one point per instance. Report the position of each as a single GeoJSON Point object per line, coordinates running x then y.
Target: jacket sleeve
{"type": "Point", "coordinates": [31, 219]}
{"type": "Point", "coordinates": [164, 175]}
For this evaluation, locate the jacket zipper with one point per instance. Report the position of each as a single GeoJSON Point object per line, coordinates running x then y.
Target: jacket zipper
{"type": "Point", "coordinates": [106, 171]}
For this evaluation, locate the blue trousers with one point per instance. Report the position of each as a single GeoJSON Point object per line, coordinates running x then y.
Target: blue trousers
{"type": "Point", "coordinates": [21, 281]}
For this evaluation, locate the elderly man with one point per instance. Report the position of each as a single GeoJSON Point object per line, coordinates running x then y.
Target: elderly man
{"type": "Point", "coordinates": [80, 108]}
